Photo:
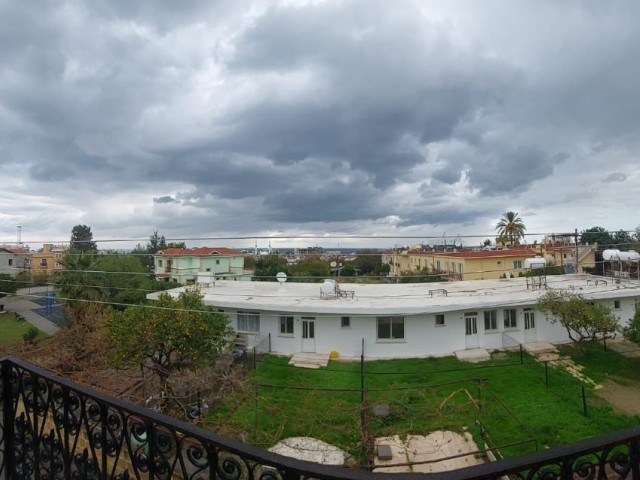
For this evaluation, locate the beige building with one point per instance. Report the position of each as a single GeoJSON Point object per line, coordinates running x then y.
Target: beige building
{"type": "Point", "coordinates": [480, 264]}
{"type": "Point", "coordinates": [48, 260]}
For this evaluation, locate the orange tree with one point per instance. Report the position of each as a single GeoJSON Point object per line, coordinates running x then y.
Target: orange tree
{"type": "Point", "coordinates": [169, 333]}
{"type": "Point", "coordinates": [584, 320]}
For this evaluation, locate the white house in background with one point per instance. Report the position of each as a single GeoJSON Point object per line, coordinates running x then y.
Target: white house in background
{"type": "Point", "coordinates": [184, 265]}
{"type": "Point", "coordinates": [405, 320]}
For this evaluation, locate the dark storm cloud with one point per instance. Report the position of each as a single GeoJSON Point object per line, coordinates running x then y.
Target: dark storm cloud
{"type": "Point", "coordinates": [281, 113]}
{"type": "Point", "coordinates": [614, 177]}
{"type": "Point", "coordinates": [165, 199]}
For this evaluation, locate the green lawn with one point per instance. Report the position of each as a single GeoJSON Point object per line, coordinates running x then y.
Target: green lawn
{"type": "Point", "coordinates": [12, 329]}
{"type": "Point", "coordinates": [510, 400]}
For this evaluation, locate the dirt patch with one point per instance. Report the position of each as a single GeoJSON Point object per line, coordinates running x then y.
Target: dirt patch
{"type": "Point", "coordinates": [623, 398]}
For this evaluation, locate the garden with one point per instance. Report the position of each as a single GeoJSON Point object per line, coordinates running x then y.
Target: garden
{"type": "Point", "coordinates": [511, 404]}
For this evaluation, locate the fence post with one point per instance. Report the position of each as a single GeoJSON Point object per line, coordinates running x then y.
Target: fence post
{"type": "Point", "coordinates": [362, 373]}
{"type": "Point", "coordinates": [521, 355]}
{"type": "Point", "coordinates": [8, 420]}
{"type": "Point", "coordinates": [604, 341]}
{"type": "Point", "coordinates": [269, 342]}
{"type": "Point", "coordinates": [255, 425]}
{"type": "Point", "coordinates": [546, 373]}
{"type": "Point", "coordinates": [254, 357]}
{"type": "Point", "coordinates": [584, 402]}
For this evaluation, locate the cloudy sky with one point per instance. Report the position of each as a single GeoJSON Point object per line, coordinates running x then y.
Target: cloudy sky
{"type": "Point", "coordinates": [337, 117]}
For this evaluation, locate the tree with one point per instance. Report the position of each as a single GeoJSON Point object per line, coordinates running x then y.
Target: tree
{"type": "Point", "coordinates": [632, 331]}
{"type": "Point", "coordinates": [267, 268]}
{"type": "Point", "coordinates": [156, 243]}
{"type": "Point", "coordinates": [7, 284]}
{"type": "Point", "coordinates": [311, 269]}
{"type": "Point", "coordinates": [169, 333]}
{"type": "Point", "coordinates": [82, 239]}
{"type": "Point", "coordinates": [79, 284]}
{"type": "Point", "coordinates": [585, 321]}
{"type": "Point", "coordinates": [511, 227]}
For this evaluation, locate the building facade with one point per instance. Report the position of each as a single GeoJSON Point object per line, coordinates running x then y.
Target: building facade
{"type": "Point", "coordinates": [14, 260]}
{"type": "Point", "coordinates": [406, 320]}
{"type": "Point", "coordinates": [48, 260]}
{"type": "Point", "coordinates": [183, 265]}
{"type": "Point", "coordinates": [484, 264]}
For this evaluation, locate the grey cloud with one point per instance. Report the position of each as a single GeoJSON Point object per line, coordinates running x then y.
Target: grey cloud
{"type": "Point", "coordinates": [614, 177]}
{"type": "Point", "coordinates": [165, 199]}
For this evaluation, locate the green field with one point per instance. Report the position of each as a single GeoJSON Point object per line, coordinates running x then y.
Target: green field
{"type": "Point", "coordinates": [509, 400]}
{"type": "Point", "coordinates": [12, 329]}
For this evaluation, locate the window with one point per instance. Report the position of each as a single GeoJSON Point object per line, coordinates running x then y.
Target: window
{"type": "Point", "coordinates": [517, 264]}
{"type": "Point", "coordinates": [510, 318]}
{"type": "Point", "coordinates": [499, 262]}
{"type": "Point", "coordinates": [529, 319]}
{"type": "Point", "coordinates": [345, 322]}
{"type": "Point", "coordinates": [286, 325]}
{"type": "Point", "coordinates": [390, 328]}
{"type": "Point", "coordinates": [159, 263]}
{"type": "Point", "coordinates": [248, 321]}
{"type": "Point", "coordinates": [217, 262]}
{"type": "Point", "coordinates": [10, 262]}
{"type": "Point", "coordinates": [440, 320]}
{"type": "Point", "coordinates": [490, 320]}
{"type": "Point", "coordinates": [437, 265]}
{"type": "Point", "coordinates": [616, 304]}
{"type": "Point", "coordinates": [43, 262]}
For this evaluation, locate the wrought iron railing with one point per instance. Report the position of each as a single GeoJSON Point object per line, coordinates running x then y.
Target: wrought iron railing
{"type": "Point", "coordinates": [53, 428]}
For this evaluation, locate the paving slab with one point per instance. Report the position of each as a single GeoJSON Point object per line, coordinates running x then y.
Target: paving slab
{"type": "Point", "coordinates": [398, 456]}
{"type": "Point", "coordinates": [472, 355]}
{"type": "Point", "coordinates": [537, 348]}
{"type": "Point", "coordinates": [306, 358]}
{"type": "Point", "coordinates": [311, 450]}
{"type": "Point", "coordinates": [442, 451]}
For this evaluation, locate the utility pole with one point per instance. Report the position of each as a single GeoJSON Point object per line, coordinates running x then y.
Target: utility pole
{"type": "Point", "coordinates": [576, 254]}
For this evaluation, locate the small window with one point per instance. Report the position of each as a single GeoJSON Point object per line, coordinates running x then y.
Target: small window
{"type": "Point", "coordinates": [440, 320]}
{"type": "Point", "coordinates": [390, 328]}
{"type": "Point", "coordinates": [616, 304]}
{"type": "Point", "coordinates": [286, 325]}
{"type": "Point", "coordinates": [517, 264]}
{"type": "Point", "coordinates": [345, 322]}
{"type": "Point", "coordinates": [248, 321]}
{"type": "Point", "coordinates": [217, 262]}
{"type": "Point", "coordinates": [159, 263]}
{"type": "Point", "coordinates": [490, 320]}
{"type": "Point", "coordinates": [499, 262]}
{"type": "Point", "coordinates": [510, 319]}
{"type": "Point", "coordinates": [10, 262]}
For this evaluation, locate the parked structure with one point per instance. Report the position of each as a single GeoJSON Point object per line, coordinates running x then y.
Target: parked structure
{"type": "Point", "coordinates": [14, 260]}
{"type": "Point", "coordinates": [405, 320]}
{"type": "Point", "coordinates": [480, 264]}
{"type": "Point", "coordinates": [183, 265]}
{"type": "Point", "coordinates": [48, 260]}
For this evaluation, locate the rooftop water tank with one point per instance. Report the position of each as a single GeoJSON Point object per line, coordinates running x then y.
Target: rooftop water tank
{"type": "Point", "coordinates": [611, 254]}
{"type": "Point", "coordinates": [535, 262]}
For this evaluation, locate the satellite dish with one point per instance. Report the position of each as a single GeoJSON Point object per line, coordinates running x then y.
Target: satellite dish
{"type": "Point", "coordinates": [333, 264]}
{"type": "Point", "coordinates": [281, 277]}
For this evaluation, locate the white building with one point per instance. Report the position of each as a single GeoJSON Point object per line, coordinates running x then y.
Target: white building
{"type": "Point", "coordinates": [406, 320]}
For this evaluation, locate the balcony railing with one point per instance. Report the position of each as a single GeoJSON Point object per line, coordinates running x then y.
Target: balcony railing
{"type": "Point", "coordinates": [53, 428]}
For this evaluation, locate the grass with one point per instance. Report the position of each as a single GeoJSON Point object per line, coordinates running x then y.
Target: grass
{"type": "Point", "coordinates": [601, 364]}
{"type": "Point", "coordinates": [510, 400]}
{"type": "Point", "coordinates": [12, 329]}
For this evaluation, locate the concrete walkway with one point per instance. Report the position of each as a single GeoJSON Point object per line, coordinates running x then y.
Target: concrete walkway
{"type": "Point", "coordinates": [20, 303]}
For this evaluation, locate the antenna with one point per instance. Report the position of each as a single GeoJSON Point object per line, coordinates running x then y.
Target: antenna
{"type": "Point", "coordinates": [19, 227]}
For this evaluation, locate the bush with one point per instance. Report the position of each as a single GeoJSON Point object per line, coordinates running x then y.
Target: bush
{"type": "Point", "coordinates": [30, 335]}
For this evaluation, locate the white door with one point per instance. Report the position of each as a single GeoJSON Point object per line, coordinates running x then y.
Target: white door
{"type": "Point", "coordinates": [308, 334]}
{"type": "Point", "coordinates": [529, 326]}
{"type": "Point", "coordinates": [471, 330]}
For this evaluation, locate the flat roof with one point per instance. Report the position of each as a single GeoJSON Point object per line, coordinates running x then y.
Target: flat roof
{"type": "Point", "coordinates": [403, 298]}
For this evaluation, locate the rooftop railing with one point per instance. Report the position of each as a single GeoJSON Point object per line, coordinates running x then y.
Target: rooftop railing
{"type": "Point", "coordinates": [55, 429]}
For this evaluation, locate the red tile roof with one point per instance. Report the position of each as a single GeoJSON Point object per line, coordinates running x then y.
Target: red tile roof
{"type": "Point", "coordinates": [198, 252]}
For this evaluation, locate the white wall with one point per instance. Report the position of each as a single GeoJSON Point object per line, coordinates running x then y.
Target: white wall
{"type": "Point", "coordinates": [422, 336]}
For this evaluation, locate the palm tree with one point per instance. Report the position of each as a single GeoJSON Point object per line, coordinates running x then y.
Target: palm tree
{"type": "Point", "coordinates": [511, 227]}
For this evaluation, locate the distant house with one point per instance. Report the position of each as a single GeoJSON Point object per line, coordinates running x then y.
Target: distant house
{"type": "Point", "coordinates": [183, 265]}
{"type": "Point", "coordinates": [14, 260]}
{"type": "Point", "coordinates": [485, 264]}
{"type": "Point", "coordinates": [405, 320]}
{"type": "Point", "coordinates": [49, 259]}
